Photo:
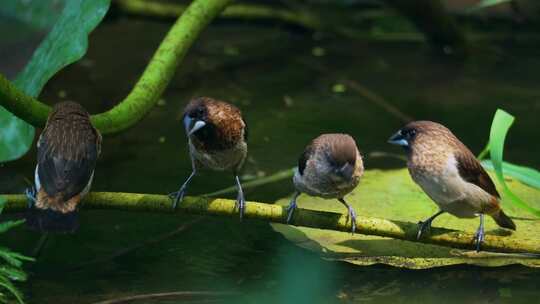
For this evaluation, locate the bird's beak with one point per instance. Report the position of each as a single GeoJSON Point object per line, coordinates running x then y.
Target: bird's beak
{"type": "Point", "coordinates": [191, 125]}
{"type": "Point", "coordinates": [398, 139]}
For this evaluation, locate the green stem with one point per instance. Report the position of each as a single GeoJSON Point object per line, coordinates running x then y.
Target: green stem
{"type": "Point", "coordinates": [21, 105]}
{"type": "Point", "coordinates": [240, 11]}
{"type": "Point", "coordinates": [303, 217]}
{"type": "Point", "coordinates": [146, 91]}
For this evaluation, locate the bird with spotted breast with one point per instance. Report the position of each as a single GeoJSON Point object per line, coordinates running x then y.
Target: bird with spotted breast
{"type": "Point", "coordinates": [450, 175]}
{"type": "Point", "coordinates": [330, 167]}
{"type": "Point", "coordinates": [67, 151]}
{"type": "Point", "coordinates": [217, 140]}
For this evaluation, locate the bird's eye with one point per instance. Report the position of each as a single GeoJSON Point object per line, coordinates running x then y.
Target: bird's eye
{"type": "Point", "coordinates": [411, 133]}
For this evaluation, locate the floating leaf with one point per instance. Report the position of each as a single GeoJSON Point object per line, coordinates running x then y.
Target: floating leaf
{"type": "Point", "coordinates": [525, 175]}
{"type": "Point", "coordinates": [497, 135]}
{"type": "Point", "coordinates": [393, 195]}
{"type": "Point", "coordinates": [66, 43]}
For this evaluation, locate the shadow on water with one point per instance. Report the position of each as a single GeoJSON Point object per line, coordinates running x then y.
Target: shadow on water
{"type": "Point", "coordinates": [268, 73]}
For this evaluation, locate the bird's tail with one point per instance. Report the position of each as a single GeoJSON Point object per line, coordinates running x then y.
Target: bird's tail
{"type": "Point", "coordinates": [503, 220]}
{"type": "Point", "coordinates": [42, 218]}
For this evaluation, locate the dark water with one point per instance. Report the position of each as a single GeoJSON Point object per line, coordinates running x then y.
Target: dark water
{"type": "Point", "coordinates": [286, 96]}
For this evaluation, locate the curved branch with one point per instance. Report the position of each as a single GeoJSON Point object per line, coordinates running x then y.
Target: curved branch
{"type": "Point", "coordinates": [21, 105]}
{"type": "Point", "coordinates": [146, 91]}
{"type": "Point", "coordinates": [303, 217]}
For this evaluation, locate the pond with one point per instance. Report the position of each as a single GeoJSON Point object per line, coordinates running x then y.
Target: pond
{"type": "Point", "coordinates": [289, 92]}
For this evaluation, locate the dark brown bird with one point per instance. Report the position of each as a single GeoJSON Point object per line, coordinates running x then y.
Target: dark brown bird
{"type": "Point", "coordinates": [330, 167]}
{"type": "Point", "coordinates": [450, 175]}
{"type": "Point", "coordinates": [217, 136]}
{"type": "Point", "coordinates": [67, 150]}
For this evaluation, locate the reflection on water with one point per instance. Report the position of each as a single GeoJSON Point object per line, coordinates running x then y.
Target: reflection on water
{"type": "Point", "coordinates": [287, 98]}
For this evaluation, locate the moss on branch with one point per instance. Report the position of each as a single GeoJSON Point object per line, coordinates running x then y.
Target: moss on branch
{"type": "Point", "coordinates": [303, 217]}
{"type": "Point", "coordinates": [148, 88]}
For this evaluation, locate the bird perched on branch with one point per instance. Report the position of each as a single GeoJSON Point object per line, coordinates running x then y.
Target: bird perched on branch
{"type": "Point", "coordinates": [329, 167]}
{"type": "Point", "coordinates": [67, 149]}
{"type": "Point", "coordinates": [450, 175]}
{"type": "Point", "coordinates": [217, 136]}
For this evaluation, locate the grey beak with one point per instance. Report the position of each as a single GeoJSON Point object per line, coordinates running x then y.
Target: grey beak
{"type": "Point", "coordinates": [398, 139]}
{"type": "Point", "coordinates": [192, 125]}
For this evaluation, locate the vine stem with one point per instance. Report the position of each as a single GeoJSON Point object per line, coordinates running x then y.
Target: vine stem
{"type": "Point", "coordinates": [303, 217]}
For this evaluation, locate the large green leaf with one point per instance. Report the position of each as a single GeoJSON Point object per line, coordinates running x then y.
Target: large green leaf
{"type": "Point", "coordinates": [66, 43]}
{"type": "Point", "coordinates": [393, 195]}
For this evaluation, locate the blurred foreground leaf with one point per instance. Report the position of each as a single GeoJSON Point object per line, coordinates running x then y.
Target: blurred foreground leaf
{"type": "Point", "coordinates": [66, 43]}
{"type": "Point", "coordinates": [393, 195]}
{"type": "Point", "coordinates": [10, 264]}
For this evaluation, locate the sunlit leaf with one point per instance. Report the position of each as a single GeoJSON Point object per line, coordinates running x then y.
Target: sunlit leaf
{"type": "Point", "coordinates": [525, 175]}
{"type": "Point", "coordinates": [5, 226]}
{"type": "Point", "coordinates": [497, 135]}
{"type": "Point", "coordinates": [13, 273]}
{"type": "Point", "coordinates": [393, 195]}
{"type": "Point", "coordinates": [66, 43]}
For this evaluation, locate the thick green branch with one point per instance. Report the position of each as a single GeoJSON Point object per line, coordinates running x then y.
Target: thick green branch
{"type": "Point", "coordinates": [150, 86]}
{"type": "Point", "coordinates": [21, 105]}
{"type": "Point", "coordinates": [307, 218]}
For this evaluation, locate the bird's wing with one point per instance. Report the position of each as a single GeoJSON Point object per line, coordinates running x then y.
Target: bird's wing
{"type": "Point", "coordinates": [472, 171]}
{"type": "Point", "coordinates": [68, 170]}
{"type": "Point", "coordinates": [304, 157]}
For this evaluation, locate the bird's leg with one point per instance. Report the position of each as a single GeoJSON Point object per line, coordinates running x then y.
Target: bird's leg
{"type": "Point", "coordinates": [179, 195]}
{"type": "Point", "coordinates": [426, 225]}
{"type": "Point", "coordinates": [30, 193]}
{"type": "Point", "coordinates": [351, 214]}
{"type": "Point", "coordinates": [240, 200]}
{"type": "Point", "coordinates": [292, 206]}
{"type": "Point", "coordinates": [479, 235]}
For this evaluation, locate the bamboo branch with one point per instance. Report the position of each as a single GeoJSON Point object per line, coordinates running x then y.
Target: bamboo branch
{"type": "Point", "coordinates": [146, 91]}
{"type": "Point", "coordinates": [303, 217]}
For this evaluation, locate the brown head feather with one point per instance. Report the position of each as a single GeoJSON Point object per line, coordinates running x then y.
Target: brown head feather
{"type": "Point", "coordinates": [339, 148]}
{"type": "Point", "coordinates": [225, 125]}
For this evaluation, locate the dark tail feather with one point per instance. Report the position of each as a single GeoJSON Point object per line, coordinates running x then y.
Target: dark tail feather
{"type": "Point", "coordinates": [504, 221]}
{"type": "Point", "coordinates": [46, 220]}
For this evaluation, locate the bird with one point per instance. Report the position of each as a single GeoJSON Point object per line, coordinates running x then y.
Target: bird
{"type": "Point", "coordinates": [449, 173]}
{"type": "Point", "coordinates": [330, 167]}
{"type": "Point", "coordinates": [217, 139]}
{"type": "Point", "coordinates": [67, 151]}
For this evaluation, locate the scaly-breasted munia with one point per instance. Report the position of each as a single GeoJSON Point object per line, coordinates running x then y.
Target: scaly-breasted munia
{"type": "Point", "coordinates": [67, 151]}
{"type": "Point", "coordinates": [217, 136]}
{"type": "Point", "coordinates": [330, 167]}
{"type": "Point", "coordinates": [450, 175]}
